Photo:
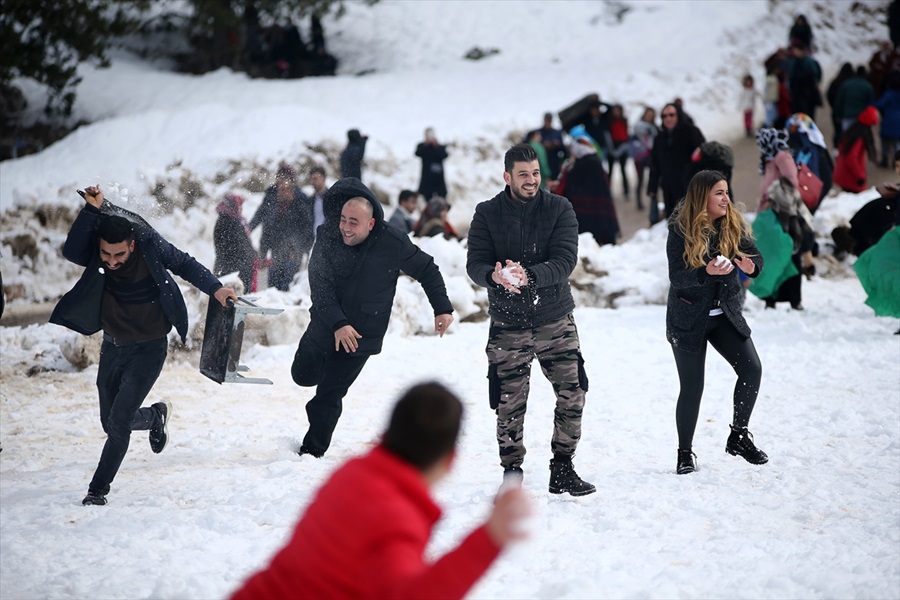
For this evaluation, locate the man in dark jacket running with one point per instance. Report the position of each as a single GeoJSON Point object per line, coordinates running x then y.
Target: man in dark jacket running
{"type": "Point", "coordinates": [353, 275]}
{"type": "Point", "coordinates": [523, 245]}
{"type": "Point", "coordinates": [127, 292]}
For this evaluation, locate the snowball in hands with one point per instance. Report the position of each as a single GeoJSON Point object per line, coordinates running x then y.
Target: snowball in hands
{"type": "Point", "coordinates": [508, 276]}
{"type": "Point", "coordinates": [720, 260]}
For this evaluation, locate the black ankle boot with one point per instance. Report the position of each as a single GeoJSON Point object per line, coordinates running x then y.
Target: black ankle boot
{"type": "Point", "coordinates": [687, 462]}
{"type": "Point", "coordinates": [740, 443]}
{"type": "Point", "coordinates": [563, 478]}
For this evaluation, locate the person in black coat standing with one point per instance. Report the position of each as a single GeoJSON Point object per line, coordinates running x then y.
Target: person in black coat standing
{"type": "Point", "coordinates": [709, 241]}
{"type": "Point", "coordinates": [352, 156]}
{"type": "Point", "coordinates": [353, 275]}
{"type": "Point", "coordinates": [523, 245]}
{"type": "Point", "coordinates": [286, 216]}
{"type": "Point", "coordinates": [231, 238]}
{"type": "Point", "coordinates": [126, 291]}
{"type": "Point", "coordinates": [584, 183]}
{"type": "Point", "coordinates": [433, 154]}
{"type": "Point", "coordinates": [801, 33]}
{"type": "Point", "coordinates": [670, 159]}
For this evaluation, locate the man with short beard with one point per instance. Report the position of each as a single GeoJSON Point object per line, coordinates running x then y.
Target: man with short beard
{"type": "Point", "coordinates": [353, 272]}
{"type": "Point", "coordinates": [127, 291]}
{"type": "Point", "coordinates": [523, 245]}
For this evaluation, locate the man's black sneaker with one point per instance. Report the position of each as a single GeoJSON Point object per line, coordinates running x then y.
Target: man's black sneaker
{"type": "Point", "coordinates": [94, 499]}
{"type": "Point", "coordinates": [563, 479]}
{"type": "Point", "coordinates": [686, 462]}
{"type": "Point", "coordinates": [159, 432]}
{"type": "Point", "coordinates": [304, 449]}
{"type": "Point", "coordinates": [740, 443]}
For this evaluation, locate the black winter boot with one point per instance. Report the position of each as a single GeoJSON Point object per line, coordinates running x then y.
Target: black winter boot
{"type": "Point", "coordinates": [512, 477]}
{"type": "Point", "coordinates": [513, 474]}
{"type": "Point", "coordinates": [687, 462]}
{"type": "Point", "coordinates": [740, 443]}
{"type": "Point", "coordinates": [563, 478]}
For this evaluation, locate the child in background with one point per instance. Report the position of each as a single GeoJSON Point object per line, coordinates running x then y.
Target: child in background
{"type": "Point", "coordinates": [748, 103]}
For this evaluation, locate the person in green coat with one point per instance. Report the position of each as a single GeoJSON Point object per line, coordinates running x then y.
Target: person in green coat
{"type": "Point", "coordinates": [878, 269]}
{"type": "Point", "coordinates": [534, 140]}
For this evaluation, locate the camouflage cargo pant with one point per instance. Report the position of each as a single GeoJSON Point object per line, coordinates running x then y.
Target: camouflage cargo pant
{"type": "Point", "coordinates": [510, 350]}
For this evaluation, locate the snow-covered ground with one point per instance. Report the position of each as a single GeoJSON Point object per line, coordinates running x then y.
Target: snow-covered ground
{"type": "Point", "coordinates": [821, 520]}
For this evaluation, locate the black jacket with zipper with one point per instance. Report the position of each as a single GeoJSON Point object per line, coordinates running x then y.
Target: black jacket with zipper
{"type": "Point", "coordinates": [694, 292]}
{"type": "Point", "coordinates": [79, 309]}
{"type": "Point", "coordinates": [541, 235]}
{"type": "Point", "coordinates": [355, 285]}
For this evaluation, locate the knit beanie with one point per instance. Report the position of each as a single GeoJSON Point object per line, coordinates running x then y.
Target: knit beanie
{"type": "Point", "coordinates": [869, 116]}
{"type": "Point", "coordinates": [718, 151]}
{"type": "Point", "coordinates": [286, 171]}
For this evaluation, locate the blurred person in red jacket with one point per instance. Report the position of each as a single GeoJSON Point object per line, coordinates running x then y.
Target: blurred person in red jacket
{"type": "Point", "coordinates": [857, 144]}
{"type": "Point", "coordinates": [365, 532]}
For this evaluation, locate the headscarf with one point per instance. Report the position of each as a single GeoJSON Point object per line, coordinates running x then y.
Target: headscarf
{"type": "Point", "coordinates": [581, 146]}
{"type": "Point", "coordinates": [804, 124]}
{"type": "Point", "coordinates": [770, 142]}
{"type": "Point", "coordinates": [785, 200]}
{"type": "Point", "coordinates": [286, 171]}
{"type": "Point", "coordinates": [230, 205]}
{"type": "Point", "coordinates": [436, 206]}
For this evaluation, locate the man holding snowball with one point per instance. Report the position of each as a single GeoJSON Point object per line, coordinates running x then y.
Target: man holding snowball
{"type": "Point", "coordinates": [523, 245]}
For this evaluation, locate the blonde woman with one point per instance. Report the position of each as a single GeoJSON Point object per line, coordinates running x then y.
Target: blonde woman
{"type": "Point", "coordinates": [708, 242]}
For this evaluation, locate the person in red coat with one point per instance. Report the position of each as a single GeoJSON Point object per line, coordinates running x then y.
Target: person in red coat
{"type": "Point", "coordinates": [857, 144]}
{"type": "Point", "coordinates": [365, 532]}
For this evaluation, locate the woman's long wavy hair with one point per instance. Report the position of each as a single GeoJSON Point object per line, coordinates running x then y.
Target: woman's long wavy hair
{"type": "Point", "coordinates": [692, 220]}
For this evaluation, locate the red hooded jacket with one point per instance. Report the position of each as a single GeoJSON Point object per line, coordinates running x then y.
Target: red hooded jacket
{"type": "Point", "coordinates": [364, 536]}
{"type": "Point", "coordinates": [850, 167]}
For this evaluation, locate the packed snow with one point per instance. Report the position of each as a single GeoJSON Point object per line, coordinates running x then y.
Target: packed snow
{"type": "Point", "coordinates": [820, 520]}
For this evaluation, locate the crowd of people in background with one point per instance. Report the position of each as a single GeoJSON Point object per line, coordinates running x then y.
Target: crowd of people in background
{"type": "Point", "coordinates": [586, 158]}
{"type": "Point", "coordinates": [289, 217]}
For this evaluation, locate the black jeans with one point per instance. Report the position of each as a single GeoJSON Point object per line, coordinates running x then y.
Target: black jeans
{"type": "Point", "coordinates": [332, 372]}
{"type": "Point", "coordinates": [740, 354]}
{"type": "Point", "coordinates": [622, 159]}
{"type": "Point", "coordinates": [125, 376]}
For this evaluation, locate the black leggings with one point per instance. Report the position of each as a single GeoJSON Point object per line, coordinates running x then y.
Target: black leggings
{"type": "Point", "coordinates": [740, 353]}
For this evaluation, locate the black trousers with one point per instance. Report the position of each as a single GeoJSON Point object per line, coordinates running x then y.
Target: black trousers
{"type": "Point", "coordinates": [125, 376]}
{"type": "Point", "coordinates": [332, 372]}
{"type": "Point", "coordinates": [740, 354]}
{"type": "Point", "coordinates": [623, 162]}
{"type": "Point", "coordinates": [790, 289]}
